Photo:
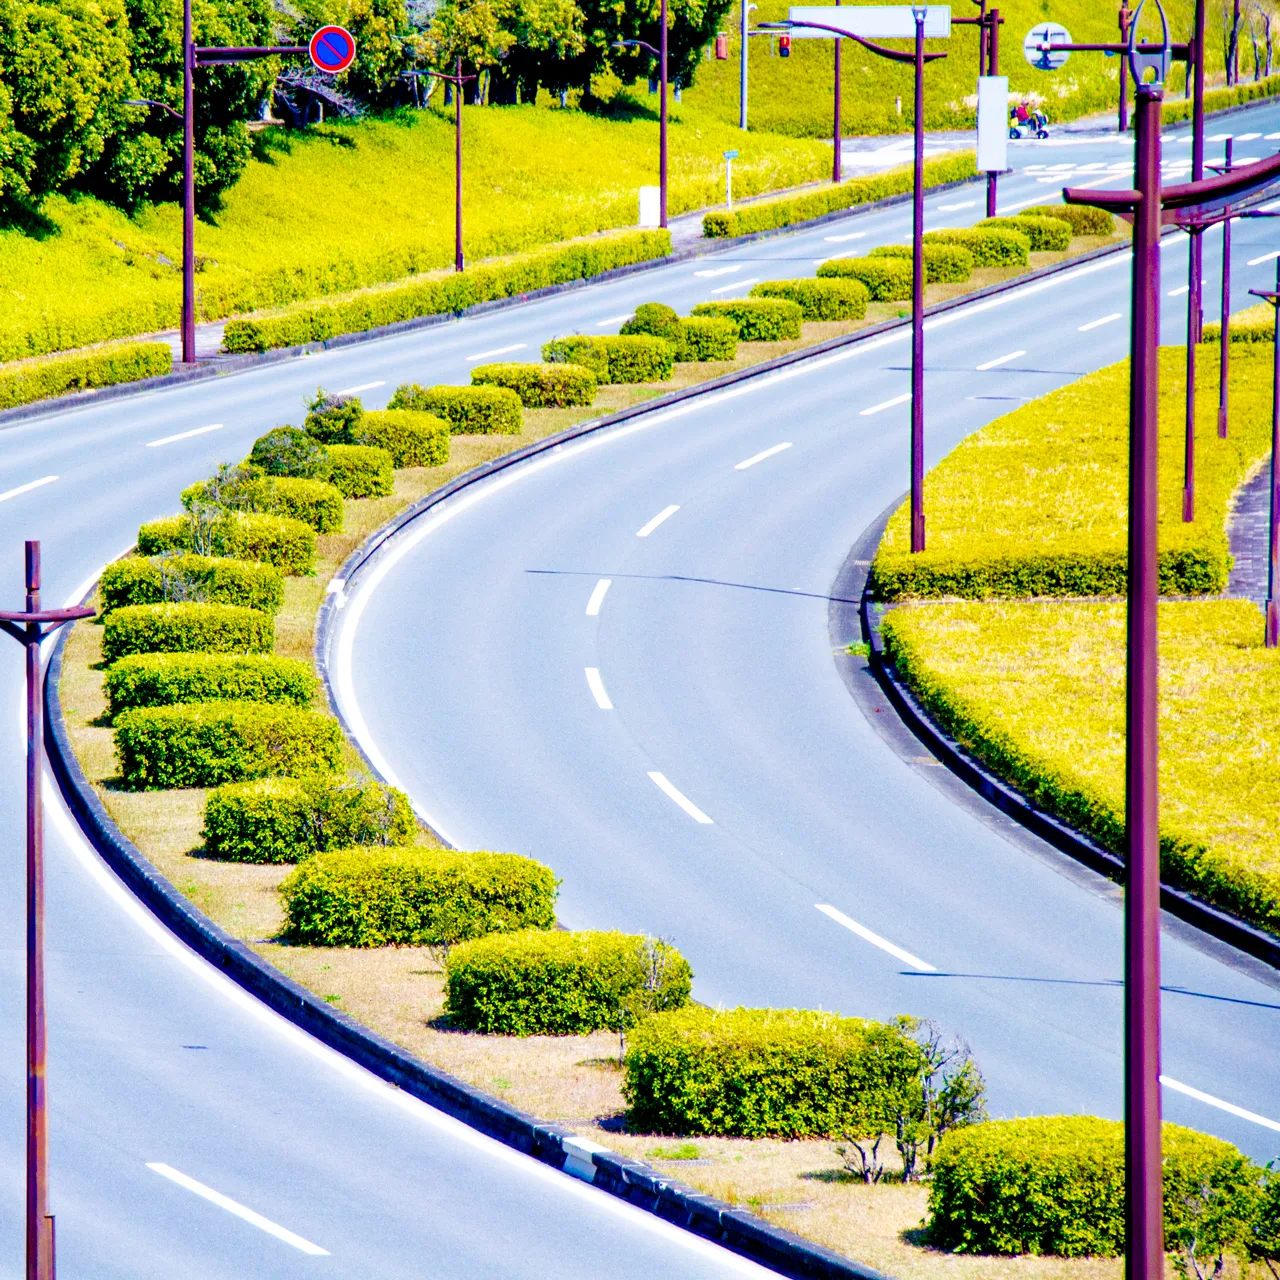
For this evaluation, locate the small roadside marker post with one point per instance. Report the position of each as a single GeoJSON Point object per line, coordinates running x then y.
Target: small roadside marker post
{"type": "Point", "coordinates": [1272, 638]}
{"type": "Point", "coordinates": [729, 158]}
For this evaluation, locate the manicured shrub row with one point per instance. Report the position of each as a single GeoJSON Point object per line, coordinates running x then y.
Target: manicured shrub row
{"type": "Point", "coordinates": [467, 410]}
{"type": "Point", "coordinates": [316, 503]}
{"type": "Point", "coordinates": [752, 1073]}
{"type": "Point", "coordinates": [1219, 99]}
{"type": "Point", "coordinates": [288, 544]}
{"type": "Point", "coordinates": [655, 319]}
{"type": "Point", "coordinates": [1047, 234]}
{"type": "Point", "coordinates": [757, 319]}
{"type": "Point", "coordinates": [185, 628]}
{"type": "Point", "coordinates": [765, 215]}
{"type": "Point", "coordinates": [289, 819]}
{"type": "Point", "coordinates": [943, 263]}
{"type": "Point", "coordinates": [1085, 219]}
{"type": "Point", "coordinates": [164, 679]}
{"type": "Point", "coordinates": [411, 439]}
{"type": "Point", "coordinates": [360, 470]}
{"type": "Point", "coordinates": [1055, 1185]}
{"type": "Point", "coordinates": [625, 358]}
{"type": "Point", "coordinates": [885, 279]}
{"type": "Point", "coordinates": [1253, 324]}
{"type": "Point", "coordinates": [139, 580]}
{"type": "Point", "coordinates": [540, 386]}
{"type": "Point", "coordinates": [290, 451]}
{"type": "Point", "coordinates": [992, 247]}
{"type": "Point", "coordinates": [105, 367]}
{"type": "Point", "coordinates": [547, 982]}
{"type": "Point", "coordinates": [702, 338]}
{"type": "Point", "coordinates": [447, 293]}
{"type": "Point", "coordinates": [414, 897]}
{"type": "Point", "coordinates": [824, 299]}
{"type": "Point", "coordinates": [204, 744]}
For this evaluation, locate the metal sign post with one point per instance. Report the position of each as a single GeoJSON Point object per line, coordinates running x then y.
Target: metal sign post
{"type": "Point", "coordinates": [457, 80]}
{"type": "Point", "coordinates": [1272, 634]}
{"type": "Point", "coordinates": [729, 158]}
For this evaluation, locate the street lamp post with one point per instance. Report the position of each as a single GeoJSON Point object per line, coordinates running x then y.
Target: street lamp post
{"type": "Point", "coordinates": [1224, 355]}
{"type": "Point", "coordinates": [1272, 634]}
{"type": "Point", "coordinates": [457, 80]}
{"type": "Point", "coordinates": [661, 54]}
{"type": "Point", "coordinates": [988, 24]}
{"type": "Point", "coordinates": [742, 66]}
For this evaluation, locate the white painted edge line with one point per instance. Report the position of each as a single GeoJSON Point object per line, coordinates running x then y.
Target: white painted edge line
{"type": "Point", "coordinates": [760, 457]}
{"type": "Point", "coordinates": [364, 386]}
{"type": "Point", "coordinates": [597, 596]}
{"type": "Point", "coordinates": [184, 435]}
{"type": "Point", "coordinates": [596, 685]}
{"type": "Point", "coordinates": [1266, 257]}
{"type": "Point", "coordinates": [718, 271]}
{"type": "Point", "coordinates": [235, 1207]}
{"type": "Point", "coordinates": [951, 208]}
{"type": "Point", "coordinates": [1097, 324]}
{"type": "Point", "coordinates": [853, 235]}
{"type": "Point", "coordinates": [600, 324]}
{"type": "Point", "coordinates": [665, 514]}
{"type": "Point", "coordinates": [1178, 1087]}
{"type": "Point", "coordinates": [1247, 137]}
{"type": "Point", "coordinates": [26, 488]}
{"type": "Point", "coordinates": [885, 404]}
{"type": "Point", "coordinates": [1272, 137]}
{"type": "Point", "coordinates": [875, 939]}
{"type": "Point", "coordinates": [663, 785]}
{"type": "Point", "coordinates": [995, 364]}
{"type": "Point", "coordinates": [737, 284]}
{"type": "Point", "coordinates": [498, 351]}
{"type": "Point", "coordinates": [1179, 291]}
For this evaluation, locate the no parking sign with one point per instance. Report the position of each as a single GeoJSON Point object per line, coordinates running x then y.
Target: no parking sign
{"type": "Point", "coordinates": [332, 50]}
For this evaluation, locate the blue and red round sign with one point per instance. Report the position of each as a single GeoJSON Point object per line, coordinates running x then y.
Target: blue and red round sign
{"type": "Point", "coordinates": [332, 49]}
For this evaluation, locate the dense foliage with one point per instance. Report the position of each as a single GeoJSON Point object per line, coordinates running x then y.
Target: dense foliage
{"type": "Point", "coordinates": [632, 357]}
{"type": "Point", "coordinates": [105, 367]}
{"type": "Point", "coordinates": [540, 386]}
{"type": "Point", "coordinates": [185, 628]}
{"type": "Point", "coordinates": [757, 319]}
{"type": "Point", "coordinates": [158, 579]}
{"type": "Point", "coordinates": [467, 410]}
{"type": "Point", "coordinates": [819, 299]}
{"type": "Point", "coordinates": [164, 679]}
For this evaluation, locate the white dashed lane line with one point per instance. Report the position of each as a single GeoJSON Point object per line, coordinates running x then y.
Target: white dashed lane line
{"type": "Point", "coordinates": [26, 488]}
{"type": "Point", "coordinates": [875, 939]}
{"type": "Point", "coordinates": [596, 685]}
{"type": "Point", "coordinates": [499, 351]}
{"type": "Point", "coordinates": [996, 363]}
{"type": "Point", "coordinates": [760, 457]}
{"type": "Point", "coordinates": [737, 284]}
{"type": "Point", "coordinates": [1266, 257]}
{"type": "Point", "coordinates": [885, 404]}
{"type": "Point", "coordinates": [660, 781]}
{"type": "Point", "coordinates": [1229, 1107]}
{"type": "Point", "coordinates": [184, 435]}
{"type": "Point", "coordinates": [1097, 324]}
{"type": "Point", "coordinates": [597, 597]}
{"type": "Point", "coordinates": [665, 514]}
{"type": "Point", "coordinates": [717, 271]}
{"type": "Point", "coordinates": [853, 235]}
{"type": "Point", "coordinates": [364, 386]}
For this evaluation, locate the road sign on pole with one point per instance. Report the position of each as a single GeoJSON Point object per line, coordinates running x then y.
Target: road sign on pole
{"type": "Point", "coordinates": [993, 123]}
{"type": "Point", "coordinates": [1036, 47]}
{"type": "Point", "coordinates": [873, 22]}
{"type": "Point", "coordinates": [332, 50]}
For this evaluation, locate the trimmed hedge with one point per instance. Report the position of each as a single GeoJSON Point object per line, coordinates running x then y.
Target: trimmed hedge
{"type": "Point", "coordinates": [655, 319]}
{"type": "Point", "coordinates": [361, 471]}
{"type": "Point", "coordinates": [288, 544]}
{"type": "Point", "coordinates": [625, 358]}
{"type": "Point", "coordinates": [753, 1073]}
{"type": "Point", "coordinates": [1218, 99]}
{"type": "Point", "coordinates": [446, 293]}
{"type": "Point", "coordinates": [289, 819]}
{"type": "Point", "coordinates": [540, 386]}
{"type": "Point", "coordinates": [993, 247]}
{"type": "Point", "coordinates": [414, 897]}
{"type": "Point", "coordinates": [824, 299]}
{"type": "Point", "coordinates": [757, 319]}
{"type": "Point", "coordinates": [1253, 324]}
{"type": "Point", "coordinates": [553, 983]}
{"type": "Point", "coordinates": [702, 338]}
{"type": "Point", "coordinates": [290, 451]}
{"type": "Point", "coordinates": [1085, 219]}
{"type": "Point", "coordinates": [105, 367]}
{"type": "Point", "coordinates": [164, 679]}
{"type": "Point", "coordinates": [1055, 1185]}
{"type": "Point", "coordinates": [333, 419]}
{"type": "Point", "coordinates": [412, 439]}
{"type": "Point", "coordinates": [467, 410]}
{"type": "Point", "coordinates": [185, 628]}
{"type": "Point", "coordinates": [885, 279]}
{"type": "Point", "coordinates": [943, 263]}
{"type": "Point", "coordinates": [1047, 234]}
{"type": "Point", "coordinates": [211, 579]}
{"type": "Point", "coordinates": [765, 215]}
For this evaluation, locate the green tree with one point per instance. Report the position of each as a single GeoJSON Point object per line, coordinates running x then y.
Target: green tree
{"type": "Point", "coordinates": [1262, 1239]}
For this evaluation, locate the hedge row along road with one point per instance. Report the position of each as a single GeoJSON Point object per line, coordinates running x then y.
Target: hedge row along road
{"type": "Point", "coordinates": [155, 1061]}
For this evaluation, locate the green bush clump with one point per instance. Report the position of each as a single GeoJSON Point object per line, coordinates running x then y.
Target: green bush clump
{"type": "Point", "coordinates": [413, 439]}
{"type": "Point", "coordinates": [185, 628]}
{"type": "Point", "coordinates": [105, 367]}
{"type": "Point", "coordinates": [333, 419]}
{"type": "Point", "coordinates": [552, 983]}
{"type": "Point", "coordinates": [1085, 219]}
{"type": "Point", "coordinates": [289, 819]}
{"type": "Point", "coordinates": [204, 744]}
{"type": "Point", "coordinates": [706, 338]}
{"type": "Point", "coordinates": [1055, 1185]}
{"type": "Point", "coordinates": [943, 263]}
{"type": "Point", "coordinates": [820, 299]}
{"type": "Point", "coordinates": [1253, 324]}
{"type": "Point", "coordinates": [634, 357]}
{"type": "Point", "coordinates": [757, 319]}
{"type": "Point", "coordinates": [414, 897]}
{"type": "Point", "coordinates": [467, 410]}
{"type": "Point", "coordinates": [316, 503]}
{"type": "Point", "coordinates": [885, 279]}
{"type": "Point", "coordinates": [1047, 234]}
{"type": "Point", "coordinates": [993, 247]}
{"type": "Point", "coordinates": [177, 577]}
{"type": "Point", "coordinates": [655, 319]}
{"type": "Point", "coordinates": [164, 679]}
{"type": "Point", "coordinates": [753, 1073]}
{"type": "Point", "coordinates": [288, 544]}
{"type": "Point", "coordinates": [540, 386]}
{"type": "Point", "coordinates": [1219, 99]}
{"type": "Point", "coordinates": [720, 224]}
{"type": "Point", "coordinates": [290, 451]}
{"type": "Point", "coordinates": [361, 471]}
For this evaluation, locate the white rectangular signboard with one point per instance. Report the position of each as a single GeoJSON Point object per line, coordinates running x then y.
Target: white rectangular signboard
{"type": "Point", "coordinates": [650, 206]}
{"type": "Point", "coordinates": [875, 22]}
{"type": "Point", "coordinates": [993, 123]}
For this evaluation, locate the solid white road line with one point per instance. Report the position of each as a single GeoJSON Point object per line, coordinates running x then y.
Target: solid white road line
{"type": "Point", "coordinates": [184, 435]}
{"type": "Point", "coordinates": [233, 1206]}
{"type": "Point", "coordinates": [835, 257]}
{"type": "Point", "coordinates": [875, 939]}
{"type": "Point", "coordinates": [364, 386]}
{"type": "Point", "coordinates": [1019, 204]}
{"type": "Point", "coordinates": [717, 271]}
{"type": "Point", "coordinates": [665, 514]}
{"type": "Point", "coordinates": [1219, 137]}
{"type": "Point", "coordinates": [1178, 292]}
{"type": "Point", "coordinates": [596, 685]}
{"type": "Point", "coordinates": [600, 324]}
{"type": "Point", "coordinates": [26, 488]}
{"type": "Point", "coordinates": [1178, 1087]}
{"type": "Point", "coordinates": [1272, 137]}
{"type": "Point", "coordinates": [760, 457]}
{"type": "Point", "coordinates": [1266, 257]}
{"type": "Point", "coordinates": [597, 597]}
{"type": "Point", "coordinates": [853, 235]}
{"type": "Point", "coordinates": [1247, 137]}
{"type": "Point", "coordinates": [885, 404]}
{"type": "Point", "coordinates": [1097, 324]}
{"type": "Point", "coordinates": [951, 208]}
{"type": "Point", "coordinates": [660, 780]}
{"type": "Point", "coordinates": [995, 364]}
{"type": "Point", "coordinates": [737, 284]}
{"type": "Point", "coordinates": [498, 351]}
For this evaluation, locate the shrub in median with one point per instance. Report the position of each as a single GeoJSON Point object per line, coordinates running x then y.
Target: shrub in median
{"type": "Point", "coordinates": [825, 299]}
{"type": "Point", "coordinates": [333, 419]}
{"type": "Point", "coordinates": [105, 367]}
{"type": "Point", "coordinates": [178, 577]}
{"type": "Point", "coordinates": [361, 471]}
{"type": "Point", "coordinates": [706, 338]}
{"type": "Point", "coordinates": [288, 544]}
{"type": "Point", "coordinates": [204, 744]}
{"type": "Point", "coordinates": [1055, 1185]}
{"type": "Point", "coordinates": [540, 386]}
{"type": "Point", "coordinates": [1085, 219]}
{"type": "Point", "coordinates": [414, 897]}
{"type": "Point", "coordinates": [752, 1073]}
{"type": "Point", "coordinates": [289, 819]}
{"type": "Point", "coordinates": [635, 357]}
{"type": "Point", "coordinates": [655, 319]}
{"type": "Point", "coordinates": [1047, 234]}
{"type": "Point", "coordinates": [885, 279]}
{"type": "Point", "coordinates": [993, 247]}
{"type": "Point", "coordinates": [185, 628]}
{"type": "Point", "coordinates": [290, 451]}
{"type": "Point", "coordinates": [943, 263]}
{"type": "Point", "coordinates": [164, 679]}
{"type": "Point", "coordinates": [467, 410]}
{"type": "Point", "coordinates": [553, 983]}
{"type": "Point", "coordinates": [412, 439]}
{"type": "Point", "coordinates": [317, 503]}
{"type": "Point", "coordinates": [758, 319]}
{"type": "Point", "coordinates": [1253, 324]}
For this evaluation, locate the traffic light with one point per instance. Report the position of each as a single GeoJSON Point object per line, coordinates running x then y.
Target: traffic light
{"type": "Point", "coordinates": [722, 47]}
{"type": "Point", "coordinates": [784, 46]}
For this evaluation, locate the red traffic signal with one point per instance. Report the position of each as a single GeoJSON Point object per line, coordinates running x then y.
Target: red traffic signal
{"type": "Point", "coordinates": [722, 47]}
{"type": "Point", "coordinates": [784, 46]}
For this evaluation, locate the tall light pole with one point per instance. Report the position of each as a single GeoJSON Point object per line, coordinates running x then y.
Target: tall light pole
{"type": "Point", "coordinates": [1272, 634]}
{"type": "Point", "coordinates": [661, 54]}
{"type": "Point", "coordinates": [742, 65]}
{"type": "Point", "coordinates": [988, 25]}
{"type": "Point", "coordinates": [457, 80]}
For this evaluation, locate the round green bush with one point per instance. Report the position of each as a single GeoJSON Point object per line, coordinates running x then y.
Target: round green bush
{"type": "Point", "coordinates": [361, 471]}
{"type": "Point", "coordinates": [376, 897]}
{"type": "Point", "coordinates": [540, 386]}
{"type": "Point", "coordinates": [333, 419]}
{"type": "Point", "coordinates": [413, 439]}
{"type": "Point", "coordinates": [943, 263]}
{"type": "Point", "coordinates": [288, 544]}
{"type": "Point", "coordinates": [1085, 219]}
{"type": "Point", "coordinates": [187, 627]}
{"type": "Point", "coordinates": [758, 319]}
{"type": "Point", "coordinates": [885, 279]}
{"type": "Point", "coordinates": [176, 577]}
{"type": "Point", "coordinates": [290, 451]}
{"type": "Point", "coordinates": [655, 319]}
{"type": "Point", "coordinates": [289, 819]}
{"type": "Point", "coordinates": [824, 299]}
{"type": "Point", "coordinates": [625, 358]}
{"type": "Point", "coordinates": [1047, 234]}
{"type": "Point", "coordinates": [553, 983]}
{"type": "Point", "coordinates": [163, 679]}
{"type": "Point", "coordinates": [992, 247]}
{"type": "Point", "coordinates": [467, 410]}
{"type": "Point", "coordinates": [1055, 1185]}
{"type": "Point", "coordinates": [707, 338]}
{"type": "Point", "coordinates": [317, 503]}
{"type": "Point", "coordinates": [719, 224]}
